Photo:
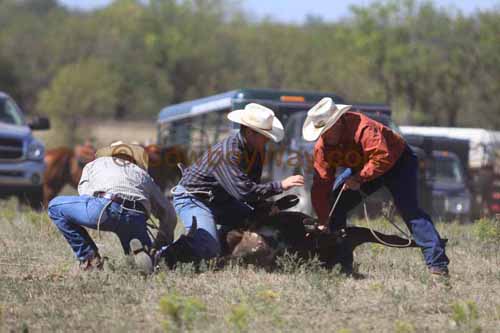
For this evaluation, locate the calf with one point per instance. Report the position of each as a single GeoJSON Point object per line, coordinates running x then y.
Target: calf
{"type": "Point", "coordinates": [269, 236]}
{"type": "Point", "coordinates": [261, 243]}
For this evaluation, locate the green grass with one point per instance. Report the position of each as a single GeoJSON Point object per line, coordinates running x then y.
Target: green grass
{"type": "Point", "coordinates": [39, 293]}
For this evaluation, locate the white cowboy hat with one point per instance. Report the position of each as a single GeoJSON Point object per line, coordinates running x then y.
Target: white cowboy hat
{"type": "Point", "coordinates": [260, 119]}
{"type": "Point", "coordinates": [321, 117]}
{"type": "Point", "coordinates": [135, 151]}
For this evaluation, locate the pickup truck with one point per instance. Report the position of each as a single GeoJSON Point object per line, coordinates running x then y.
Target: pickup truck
{"type": "Point", "coordinates": [21, 155]}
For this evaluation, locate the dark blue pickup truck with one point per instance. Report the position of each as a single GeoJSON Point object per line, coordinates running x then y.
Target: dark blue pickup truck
{"type": "Point", "coordinates": [21, 155]}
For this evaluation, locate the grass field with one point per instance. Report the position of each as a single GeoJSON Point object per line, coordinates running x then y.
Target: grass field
{"type": "Point", "coordinates": [39, 293]}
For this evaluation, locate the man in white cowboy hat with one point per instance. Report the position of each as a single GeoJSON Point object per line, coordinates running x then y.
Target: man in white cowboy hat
{"type": "Point", "coordinates": [373, 156]}
{"type": "Point", "coordinates": [115, 194]}
{"type": "Point", "coordinates": [223, 185]}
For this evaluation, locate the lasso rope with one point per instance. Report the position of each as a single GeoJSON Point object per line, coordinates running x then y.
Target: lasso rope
{"type": "Point", "coordinates": [367, 218]}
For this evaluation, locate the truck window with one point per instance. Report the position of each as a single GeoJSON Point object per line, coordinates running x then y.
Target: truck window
{"type": "Point", "coordinates": [447, 170]}
{"type": "Point", "coordinates": [197, 132]}
{"type": "Point", "coordinates": [9, 113]}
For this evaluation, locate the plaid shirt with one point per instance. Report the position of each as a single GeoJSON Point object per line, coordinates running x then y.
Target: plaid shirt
{"type": "Point", "coordinates": [229, 169]}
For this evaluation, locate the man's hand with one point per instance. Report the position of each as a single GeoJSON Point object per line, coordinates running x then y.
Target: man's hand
{"type": "Point", "coordinates": [292, 181]}
{"type": "Point", "coordinates": [324, 228]}
{"type": "Point", "coordinates": [352, 183]}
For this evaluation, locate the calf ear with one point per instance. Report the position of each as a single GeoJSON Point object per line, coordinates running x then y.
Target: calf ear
{"type": "Point", "coordinates": [233, 238]}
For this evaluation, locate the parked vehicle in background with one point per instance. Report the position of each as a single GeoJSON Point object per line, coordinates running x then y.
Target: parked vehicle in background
{"type": "Point", "coordinates": [479, 152]}
{"type": "Point", "coordinates": [21, 155]}
{"type": "Point", "coordinates": [451, 198]}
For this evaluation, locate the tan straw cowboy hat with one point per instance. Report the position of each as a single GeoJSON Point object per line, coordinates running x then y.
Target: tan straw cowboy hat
{"type": "Point", "coordinates": [260, 119]}
{"type": "Point", "coordinates": [120, 148]}
{"type": "Point", "coordinates": [321, 117]}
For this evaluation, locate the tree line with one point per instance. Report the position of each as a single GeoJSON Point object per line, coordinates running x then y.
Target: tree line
{"type": "Point", "coordinates": [433, 65]}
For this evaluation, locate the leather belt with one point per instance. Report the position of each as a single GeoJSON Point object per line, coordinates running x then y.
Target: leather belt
{"type": "Point", "coordinates": [129, 204]}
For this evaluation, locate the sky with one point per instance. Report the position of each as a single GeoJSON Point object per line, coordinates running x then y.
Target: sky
{"type": "Point", "coordinates": [297, 10]}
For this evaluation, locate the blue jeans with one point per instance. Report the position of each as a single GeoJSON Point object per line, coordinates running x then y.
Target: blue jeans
{"type": "Point", "coordinates": [401, 180]}
{"type": "Point", "coordinates": [71, 214]}
{"type": "Point", "coordinates": [205, 242]}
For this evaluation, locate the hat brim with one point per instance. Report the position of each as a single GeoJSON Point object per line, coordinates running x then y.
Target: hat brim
{"type": "Point", "coordinates": [135, 151]}
{"type": "Point", "coordinates": [312, 133]}
{"type": "Point", "coordinates": [276, 133]}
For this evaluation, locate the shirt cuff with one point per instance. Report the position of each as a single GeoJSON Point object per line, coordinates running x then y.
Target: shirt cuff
{"type": "Point", "coordinates": [277, 188]}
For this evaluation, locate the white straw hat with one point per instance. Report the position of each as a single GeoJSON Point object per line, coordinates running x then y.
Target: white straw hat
{"type": "Point", "coordinates": [321, 117]}
{"type": "Point", "coordinates": [260, 119]}
{"type": "Point", "coordinates": [118, 148]}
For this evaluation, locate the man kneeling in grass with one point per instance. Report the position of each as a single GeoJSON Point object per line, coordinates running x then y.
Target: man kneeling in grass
{"type": "Point", "coordinates": [115, 194]}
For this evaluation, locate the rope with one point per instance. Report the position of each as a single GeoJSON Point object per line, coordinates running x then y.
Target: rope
{"type": "Point", "coordinates": [100, 217]}
{"type": "Point", "coordinates": [335, 204]}
{"type": "Point", "coordinates": [174, 191]}
{"type": "Point", "coordinates": [367, 218]}
{"type": "Point", "coordinates": [150, 225]}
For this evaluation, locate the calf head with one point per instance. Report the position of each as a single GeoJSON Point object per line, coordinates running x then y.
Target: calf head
{"type": "Point", "coordinates": [251, 248]}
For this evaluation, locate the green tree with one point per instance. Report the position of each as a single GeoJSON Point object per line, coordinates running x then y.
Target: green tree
{"type": "Point", "coordinates": [78, 91]}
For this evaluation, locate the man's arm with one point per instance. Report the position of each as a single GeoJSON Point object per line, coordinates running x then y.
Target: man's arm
{"type": "Point", "coordinates": [323, 180]}
{"type": "Point", "coordinates": [236, 182]}
{"type": "Point", "coordinates": [162, 209]}
{"type": "Point", "coordinates": [376, 153]}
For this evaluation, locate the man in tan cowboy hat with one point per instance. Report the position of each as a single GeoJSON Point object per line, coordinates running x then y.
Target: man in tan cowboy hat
{"type": "Point", "coordinates": [373, 156]}
{"type": "Point", "coordinates": [115, 194]}
{"type": "Point", "coordinates": [223, 185]}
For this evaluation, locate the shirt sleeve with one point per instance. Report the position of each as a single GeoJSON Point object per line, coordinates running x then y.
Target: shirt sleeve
{"type": "Point", "coordinates": [376, 153]}
{"type": "Point", "coordinates": [84, 183]}
{"type": "Point", "coordinates": [323, 180]}
{"type": "Point", "coordinates": [236, 182]}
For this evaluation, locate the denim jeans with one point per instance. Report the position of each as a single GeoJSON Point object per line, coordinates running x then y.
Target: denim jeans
{"type": "Point", "coordinates": [205, 241]}
{"type": "Point", "coordinates": [71, 214]}
{"type": "Point", "coordinates": [401, 181]}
